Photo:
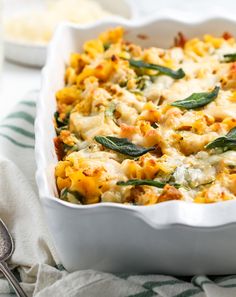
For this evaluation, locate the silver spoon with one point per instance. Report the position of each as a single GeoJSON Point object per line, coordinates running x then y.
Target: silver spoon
{"type": "Point", "coordinates": [6, 250]}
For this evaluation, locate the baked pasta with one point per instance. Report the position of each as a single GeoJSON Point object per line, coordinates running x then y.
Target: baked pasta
{"type": "Point", "coordinates": [147, 125]}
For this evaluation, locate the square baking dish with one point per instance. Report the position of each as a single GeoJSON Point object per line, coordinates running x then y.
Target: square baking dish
{"type": "Point", "coordinates": [172, 237]}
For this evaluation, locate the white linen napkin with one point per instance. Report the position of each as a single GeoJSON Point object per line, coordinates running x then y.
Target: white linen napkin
{"type": "Point", "coordinates": [35, 260]}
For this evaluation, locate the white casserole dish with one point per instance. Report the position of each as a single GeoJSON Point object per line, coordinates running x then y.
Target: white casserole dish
{"type": "Point", "coordinates": [173, 237]}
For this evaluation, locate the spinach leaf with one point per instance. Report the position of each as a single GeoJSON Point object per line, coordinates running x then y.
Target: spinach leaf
{"type": "Point", "coordinates": [110, 110]}
{"type": "Point", "coordinates": [61, 123]}
{"type": "Point", "coordinates": [229, 58]}
{"type": "Point", "coordinates": [226, 143]}
{"type": "Point", "coordinates": [176, 74]}
{"type": "Point", "coordinates": [197, 99]}
{"type": "Point", "coordinates": [154, 125]}
{"type": "Point", "coordinates": [143, 82]}
{"type": "Point", "coordinates": [122, 145]}
{"type": "Point", "coordinates": [143, 182]}
{"type": "Point", "coordinates": [65, 193]}
{"type": "Point", "coordinates": [106, 45]}
{"type": "Point", "coordinates": [69, 148]}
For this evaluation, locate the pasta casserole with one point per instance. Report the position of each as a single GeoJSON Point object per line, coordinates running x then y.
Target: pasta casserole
{"type": "Point", "coordinates": [147, 125]}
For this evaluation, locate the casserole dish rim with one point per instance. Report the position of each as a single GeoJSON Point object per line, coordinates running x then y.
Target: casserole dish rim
{"type": "Point", "coordinates": [181, 212]}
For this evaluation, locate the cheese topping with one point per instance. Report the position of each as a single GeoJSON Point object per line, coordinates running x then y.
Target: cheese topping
{"type": "Point", "coordinates": [38, 25]}
{"type": "Point", "coordinates": [122, 135]}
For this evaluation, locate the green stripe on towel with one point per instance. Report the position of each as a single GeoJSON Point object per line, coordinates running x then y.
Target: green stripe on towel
{"type": "Point", "coordinates": [228, 286]}
{"type": "Point", "coordinates": [16, 142]}
{"type": "Point", "coordinates": [144, 294]}
{"type": "Point", "coordinates": [21, 115]}
{"type": "Point", "coordinates": [28, 103]}
{"type": "Point", "coordinates": [19, 130]}
{"type": "Point", "coordinates": [153, 284]}
{"type": "Point", "coordinates": [224, 278]}
{"type": "Point", "coordinates": [60, 267]}
{"type": "Point", "coordinates": [188, 293]}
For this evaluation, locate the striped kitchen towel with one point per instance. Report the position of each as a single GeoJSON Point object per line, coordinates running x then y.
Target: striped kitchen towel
{"type": "Point", "coordinates": [35, 261]}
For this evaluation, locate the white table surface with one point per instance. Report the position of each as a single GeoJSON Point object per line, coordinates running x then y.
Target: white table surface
{"type": "Point", "coordinates": [15, 82]}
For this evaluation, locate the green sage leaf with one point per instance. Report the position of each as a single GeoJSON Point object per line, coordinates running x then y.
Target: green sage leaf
{"type": "Point", "coordinates": [143, 82]}
{"type": "Point", "coordinates": [229, 58]}
{"type": "Point", "coordinates": [61, 123]}
{"type": "Point", "coordinates": [106, 45]}
{"type": "Point", "coordinates": [176, 74]}
{"type": "Point", "coordinates": [72, 196]}
{"type": "Point", "coordinates": [70, 148]}
{"type": "Point", "coordinates": [144, 182]}
{"type": "Point", "coordinates": [197, 100]}
{"type": "Point", "coordinates": [122, 145]}
{"type": "Point", "coordinates": [226, 143]}
{"type": "Point", "coordinates": [110, 110]}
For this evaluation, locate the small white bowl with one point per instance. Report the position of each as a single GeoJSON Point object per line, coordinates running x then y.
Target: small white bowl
{"type": "Point", "coordinates": [34, 55]}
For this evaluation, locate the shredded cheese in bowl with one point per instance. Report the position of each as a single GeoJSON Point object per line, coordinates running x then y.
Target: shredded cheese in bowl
{"type": "Point", "coordinates": [147, 125]}
{"type": "Point", "coordinates": [37, 26]}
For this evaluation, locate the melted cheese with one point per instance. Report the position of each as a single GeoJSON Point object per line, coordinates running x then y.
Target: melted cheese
{"type": "Point", "coordinates": [104, 95]}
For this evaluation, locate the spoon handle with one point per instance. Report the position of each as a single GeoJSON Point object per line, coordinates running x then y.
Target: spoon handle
{"type": "Point", "coordinates": [12, 280]}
